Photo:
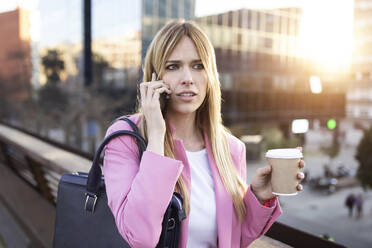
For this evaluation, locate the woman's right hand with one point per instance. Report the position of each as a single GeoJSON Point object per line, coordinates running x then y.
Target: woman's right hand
{"type": "Point", "coordinates": [150, 104]}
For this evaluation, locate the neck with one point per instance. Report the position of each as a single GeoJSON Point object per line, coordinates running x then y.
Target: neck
{"type": "Point", "coordinates": [186, 130]}
{"type": "Point", "coordinates": [184, 125]}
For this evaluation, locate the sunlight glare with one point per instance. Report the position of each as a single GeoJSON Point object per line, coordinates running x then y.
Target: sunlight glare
{"type": "Point", "coordinates": [315, 85]}
{"type": "Point", "coordinates": [326, 33]}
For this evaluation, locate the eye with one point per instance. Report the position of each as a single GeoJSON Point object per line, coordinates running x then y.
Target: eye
{"type": "Point", "coordinates": [171, 67]}
{"type": "Point", "coordinates": [198, 66]}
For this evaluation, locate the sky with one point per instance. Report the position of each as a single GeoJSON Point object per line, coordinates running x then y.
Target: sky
{"type": "Point", "coordinates": [326, 29]}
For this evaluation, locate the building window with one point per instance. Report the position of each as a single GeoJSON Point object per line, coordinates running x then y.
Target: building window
{"type": "Point", "coordinates": [364, 113]}
{"type": "Point", "coordinates": [239, 39]}
{"type": "Point", "coordinates": [209, 20]}
{"type": "Point", "coordinates": [230, 19]}
{"type": "Point", "coordinates": [149, 6]}
{"type": "Point", "coordinates": [147, 30]}
{"type": "Point", "coordinates": [219, 20]}
{"type": "Point", "coordinates": [175, 9]}
{"type": "Point", "coordinates": [162, 8]}
{"type": "Point", "coordinates": [258, 20]}
{"type": "Point", "coordinates": [187, 9]}
{"type": "Point", "coordinates": [268, 43]}
{"type": "Point", "coordinates": [240, 18]}
{"type": "Point", "coordinates": [269, 23]}
{"type": "Point", "coordinates": [249, 17]}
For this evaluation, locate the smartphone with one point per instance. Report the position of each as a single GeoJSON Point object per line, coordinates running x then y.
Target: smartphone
{"type": "Point", "coordinates": [164, 99]}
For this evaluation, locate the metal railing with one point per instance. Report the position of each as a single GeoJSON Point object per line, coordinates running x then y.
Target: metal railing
{"type": "Point", "coordinates": [35, 160]}
{"type": "Point", "coordinates": [41, 174]}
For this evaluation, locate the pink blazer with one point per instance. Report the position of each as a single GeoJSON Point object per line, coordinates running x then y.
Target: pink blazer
{"type": "Point", "coordinates": [139, 192]}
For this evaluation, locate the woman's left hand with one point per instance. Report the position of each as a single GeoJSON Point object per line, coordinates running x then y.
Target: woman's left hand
{"type": "Point", "coordinates": [261, 182]}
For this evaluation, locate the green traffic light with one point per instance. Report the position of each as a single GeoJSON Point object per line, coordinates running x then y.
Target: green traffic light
{"type": "Point", "coordinates": [331, 124]}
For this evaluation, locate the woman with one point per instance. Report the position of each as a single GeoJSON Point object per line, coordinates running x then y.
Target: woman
{"type": "Point", "coordinates": [189, 151]}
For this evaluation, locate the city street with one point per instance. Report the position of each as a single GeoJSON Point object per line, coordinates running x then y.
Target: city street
{"type": "Point", "coordinates": [277, 74]}
{"type": "Point", "coordinates": [319, 213]}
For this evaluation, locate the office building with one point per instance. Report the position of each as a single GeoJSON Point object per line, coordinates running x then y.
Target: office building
{"type": "Point", "coordinates": [359, 97]}
{"type": "Point", "coordinates": [263, 77]}
{"type": "Point", "coordinates": [15, 54]}
{"type": "Point", "coordinates": [255, 49]}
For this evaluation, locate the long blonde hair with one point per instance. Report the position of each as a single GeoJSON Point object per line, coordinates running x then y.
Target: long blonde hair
{"type": "Point", "coordinates": [208, 116]}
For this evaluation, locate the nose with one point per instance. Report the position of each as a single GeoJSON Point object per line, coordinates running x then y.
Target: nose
{"type": "Point", "coordinates": [187, 77]}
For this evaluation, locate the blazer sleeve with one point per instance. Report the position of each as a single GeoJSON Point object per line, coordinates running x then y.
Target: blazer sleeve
{"type": "Point", "coordinates": [258, 218]}
{"type": "Point", "coordinates": [138, 192]}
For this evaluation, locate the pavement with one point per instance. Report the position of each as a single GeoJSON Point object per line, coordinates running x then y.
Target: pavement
{"type": "Point", "coordinates": [11, 233]}
{"type": "Point", "coordinates": [27, 218]}
{"type": "Point", "coordinates": [319, 213]}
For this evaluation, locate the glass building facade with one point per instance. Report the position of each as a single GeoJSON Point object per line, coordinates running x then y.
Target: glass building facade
{"type": "Point", "coordinates": [121, 33]}
{"type": "Point", "coordinates": [156, 13]}
{"type": "Point", "coordinates": [256, 49]}
{"type": "Point", "coordinates": [359, 106]}
{"type": "Point", "coordinates": [263, 76]}
{"type": "Point", "coordinates": [261, 72]}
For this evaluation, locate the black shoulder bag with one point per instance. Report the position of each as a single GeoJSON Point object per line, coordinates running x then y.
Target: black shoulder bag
{"type": "Point", "coordinates": [83, 218]}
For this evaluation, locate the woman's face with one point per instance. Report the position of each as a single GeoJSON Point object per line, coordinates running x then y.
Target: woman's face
{"type": "Point", "coordinates": [185, 74]}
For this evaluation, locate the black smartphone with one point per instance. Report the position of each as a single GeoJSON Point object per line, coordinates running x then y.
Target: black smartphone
{"type": "Point", "coordinates": [164, 99]}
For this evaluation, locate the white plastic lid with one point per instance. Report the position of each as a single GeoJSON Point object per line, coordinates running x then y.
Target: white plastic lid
{"type": "Point", "coordinates": [284, 153]}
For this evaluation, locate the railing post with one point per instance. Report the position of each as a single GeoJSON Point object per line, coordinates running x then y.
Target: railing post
{"type": "Point", "coordinates": [7, 159]}
{"type": "Point", "coordinates": [39, 176]}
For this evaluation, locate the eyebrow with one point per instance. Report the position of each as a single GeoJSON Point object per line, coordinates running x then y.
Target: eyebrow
{"type": "Point", "coordinates": [179, 61]}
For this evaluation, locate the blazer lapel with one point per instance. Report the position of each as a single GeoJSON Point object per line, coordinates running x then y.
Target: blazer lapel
{"type": "Point", "coordinates": [224, 206]}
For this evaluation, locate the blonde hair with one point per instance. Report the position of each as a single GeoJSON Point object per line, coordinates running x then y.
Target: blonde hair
{"type": "Point", "coordinates": [208, 116]}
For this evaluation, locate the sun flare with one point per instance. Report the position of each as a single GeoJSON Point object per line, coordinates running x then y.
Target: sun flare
{"type": "Point", "coordinates": [326, 34]}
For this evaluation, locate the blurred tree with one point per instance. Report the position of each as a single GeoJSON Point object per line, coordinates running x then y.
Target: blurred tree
{"type": "Point", "coordinates": [52, 98]}
{"type": "Point", "coordinates": [53, 65]}
{"type": "Point", "coordinates": [363, 155]}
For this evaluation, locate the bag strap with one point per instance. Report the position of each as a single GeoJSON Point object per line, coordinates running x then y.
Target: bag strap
{"type": "Point", "coordinates": [95, 172]}
{"type": "Point", "coordinates": [131, 123]}
{"type": "Point", "coordinates": [141, 149]}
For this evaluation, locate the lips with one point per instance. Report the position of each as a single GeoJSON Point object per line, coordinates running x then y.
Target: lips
{"type": "Point", "coordinates": [186, 94]}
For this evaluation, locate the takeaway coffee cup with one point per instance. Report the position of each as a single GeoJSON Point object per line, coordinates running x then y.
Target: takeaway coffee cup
{"type": "Point", "coordinates": [285, 166]}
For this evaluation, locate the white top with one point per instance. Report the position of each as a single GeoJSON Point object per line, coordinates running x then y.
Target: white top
{"type": "Point", "coordinates": [202, 218]}
{"type": "Point", "coordinates": [287, 153]}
